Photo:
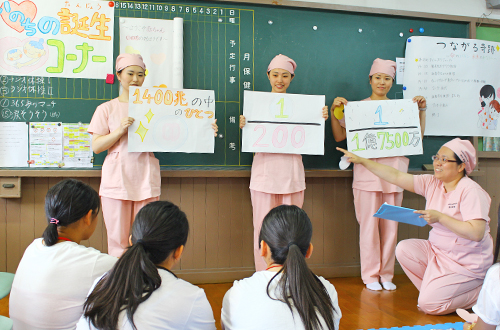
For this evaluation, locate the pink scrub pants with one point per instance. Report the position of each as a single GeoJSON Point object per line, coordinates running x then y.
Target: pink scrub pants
{"type": "Point", "coordinates": [118, 218]}
{"type": "Point", "coordinates": [442, 290]}
{"type": "Point", "coordinates": [377, 237]}
{"type": "Point", "coordinates": [262, 203]}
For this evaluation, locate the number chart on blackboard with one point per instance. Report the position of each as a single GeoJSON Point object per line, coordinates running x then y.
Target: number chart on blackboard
{"type": "Point", "coordinates": [227, 48]}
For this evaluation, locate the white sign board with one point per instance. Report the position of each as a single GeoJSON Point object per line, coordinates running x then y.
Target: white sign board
{"type": "Point", "coordinates": [160, 43]}
{"type": "Point", "coordinates": [171, 120]}
{"type": "Point", "coordinates": [283, 123]}
{"type": "Point", "coordinates": [14, 144]}
{"type": "Point", "coordinates": [378, 129]}
{"type": "Point", "coordinates": [56, 38]}
{"type": "Point", "coordinates": [460, 80]}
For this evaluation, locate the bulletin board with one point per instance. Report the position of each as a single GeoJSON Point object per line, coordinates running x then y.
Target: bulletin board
{"type": "Point", "coordinates": [227, 48]}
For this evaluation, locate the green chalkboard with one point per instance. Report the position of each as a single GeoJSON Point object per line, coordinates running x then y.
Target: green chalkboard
{"type": "Point", "coordinates": [227, 48]}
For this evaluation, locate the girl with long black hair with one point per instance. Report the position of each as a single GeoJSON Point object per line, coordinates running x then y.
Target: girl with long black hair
{"type": "Point", "coordinates": [287, 295]}
{"type": "Point", "coordinates": [141, 292]}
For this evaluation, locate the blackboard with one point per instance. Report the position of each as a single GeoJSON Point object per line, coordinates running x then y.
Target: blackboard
{"type": "Point", "coordinates": [333, 49]}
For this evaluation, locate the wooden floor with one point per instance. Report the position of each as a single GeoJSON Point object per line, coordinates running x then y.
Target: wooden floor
{"type": "Point", "coordinates": [361, 308]}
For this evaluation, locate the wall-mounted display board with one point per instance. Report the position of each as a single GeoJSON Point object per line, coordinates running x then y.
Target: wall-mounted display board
{"type": "Point", "coordinates": [227, 48]}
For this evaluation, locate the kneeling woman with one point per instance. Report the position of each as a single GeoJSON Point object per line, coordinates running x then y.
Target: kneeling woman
{"type": "Point", "coordinates": [287, 295]}
{"type": "Point", "coordinates": [448, 269]}
{"type": "Point", "coordinates": [141, 292]}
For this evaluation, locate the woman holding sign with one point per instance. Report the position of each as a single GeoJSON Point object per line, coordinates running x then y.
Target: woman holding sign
{"type": "Point", "coordinates": [377, 237]}
{"type": "Point", "coordinates": [129, 180]}
{"type": "Point", "coordinates": [276, 179]}
{"type": "Point", "coordinates": [448, 269]}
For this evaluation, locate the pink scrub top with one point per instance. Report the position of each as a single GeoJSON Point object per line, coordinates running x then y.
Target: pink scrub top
{"type": "Point", "coordinates": [467, 202]}
{"type": "Point", "coordinates": [133, 176]}
{"type": "Point", "coordinates": [277, 173]}
{"type": "Point", "coordinates": [367, 181]}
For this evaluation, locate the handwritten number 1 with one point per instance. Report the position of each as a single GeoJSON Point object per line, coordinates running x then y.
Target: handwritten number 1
{"type": "Point", "coordinates": [281, 102]}
{"type": "Point", "coordinates": [380, 122]}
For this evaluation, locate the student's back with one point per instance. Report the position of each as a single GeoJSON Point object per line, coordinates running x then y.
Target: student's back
{"type": "Point", "coordinates": [56, 272]}
{"type": "Point", "coordinates": [140, 291]}
{"type": "Point", "coordinates": [287, 295]}
{"type": "Point", "coordinates": [176, 304]}
{"type": "Point", "coordinates": [256, 310]}
{"type": "Point", "coordinates": [52, 282]}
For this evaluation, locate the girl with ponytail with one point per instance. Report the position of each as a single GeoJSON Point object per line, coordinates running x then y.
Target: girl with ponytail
{"type": "Point", "coordinates": [56, 271]}
{"type": "Point", "coordinates": [141, 291]}
{"type": "Point", "coordinates": [287, 295]}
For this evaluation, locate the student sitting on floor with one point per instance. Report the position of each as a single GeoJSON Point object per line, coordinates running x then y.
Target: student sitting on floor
{"type": "Point", "coordinates": [287, 295]}
{"type": "Point", "coordinates": [141, 292]}
{"type": "Point", "coordinates": [56, 271]}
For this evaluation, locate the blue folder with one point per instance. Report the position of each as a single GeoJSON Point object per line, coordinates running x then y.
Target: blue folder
{"type": "Point", "coordinates": [445, 326]}
{"type": "Point", "coordinates": [399, 214]}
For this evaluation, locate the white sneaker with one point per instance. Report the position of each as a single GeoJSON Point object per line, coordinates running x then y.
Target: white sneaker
{"type": "Point", "coordinates": [375, 286]}
{"type": "Point", "coordinates": [389, 286]}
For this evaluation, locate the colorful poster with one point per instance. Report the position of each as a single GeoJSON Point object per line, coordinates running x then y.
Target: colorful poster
{"type": "Point", "coordinates": [160, 43]}
{"type": "Point", "coordinates": [45, 144]}
{"type": "Point", "coordinates": [77, 145]}
{"type": "Point", "coordinates": [56, 38]}
{"type": "Point", "coordinates": [171, 120]}
{"type": "Point", "coordinates": [460, 80]}
{"type": "Point", "coordinates": [378, 129]}
{"type": "Point", "coordinates": [283, 123]}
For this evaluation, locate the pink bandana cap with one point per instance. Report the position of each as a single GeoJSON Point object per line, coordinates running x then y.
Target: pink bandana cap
{"type": "Point", "coordinates": [282, 62]}
{"type": "Point", "coordinates": [383, 66]}
{"type": "Point", "coordinates": [124, 60]}
{"type": "Point", "coordinates": [465, 151]}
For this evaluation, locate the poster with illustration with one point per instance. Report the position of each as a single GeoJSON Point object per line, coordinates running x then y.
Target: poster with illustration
{"type": "Point", "coordinates": [378, 129]}
{"type": "Point", "coordinates": [460, 80]}
{"type": "Point", "coordinates": [57, 38]}
{"type": "Point", "coordinates": [171, 120]}
{"type": "Point", "coordinates": [160, 43]}
{"type": "Point", "coordinates": [283, 123]}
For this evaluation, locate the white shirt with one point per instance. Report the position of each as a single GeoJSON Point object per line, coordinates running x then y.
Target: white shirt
{"type": "Point", "coordinates": [175, 305]}
{"type": "Point", "coordinates": [247, 306]}
{"type": "Point", "coordinates": [488, 302]}
{"type": "Point", "coordinates": [52, 282]}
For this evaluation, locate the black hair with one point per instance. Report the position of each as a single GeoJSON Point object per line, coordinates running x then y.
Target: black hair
{"type": "Point", "coordinates": [459, 162]}
{"type": "Point", "coordinates": [287, 231]}
{"type": "Point", "coordinates": [158, 230]}
{"type": "Point", "coordinates": [486, 91]}
{"type": "Point", "coordinates": [67, 202]}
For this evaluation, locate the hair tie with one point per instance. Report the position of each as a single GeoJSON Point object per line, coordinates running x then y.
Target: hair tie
{"type": "Point", "coordinates": [54, 221]}
{"type": "Point", "coordinates": [139, 241]}
{"type": "Point", "coordinates": [290, 244]}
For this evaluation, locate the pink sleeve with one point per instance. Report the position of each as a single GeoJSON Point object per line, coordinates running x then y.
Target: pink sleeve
{"type": "Point", "coordinates": [475, 204]}
{"type": "Point", "coordinates": [421, 182]}
{"type": "Point", "coordinates": [99, 123]}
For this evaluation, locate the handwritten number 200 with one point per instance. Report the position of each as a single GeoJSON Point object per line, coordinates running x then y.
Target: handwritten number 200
{"type": "Point", "coordinates": [284, 138]}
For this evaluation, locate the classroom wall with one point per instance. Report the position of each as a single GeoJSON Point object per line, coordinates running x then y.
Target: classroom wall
{"type": "Point", "coordinates": [220, 246]}
{"type": "Point", "coordinates": [469, 8]}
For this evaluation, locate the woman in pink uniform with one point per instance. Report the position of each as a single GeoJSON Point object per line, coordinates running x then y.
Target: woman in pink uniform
{"type": "Point", "coordinates": [377, 237]}
{"type": "Point", "coordinates": [276, 179]}
{"type": "Point", "coordinates": [449, 268]}
{"type": "Point", "coordinates": [129, 180]}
